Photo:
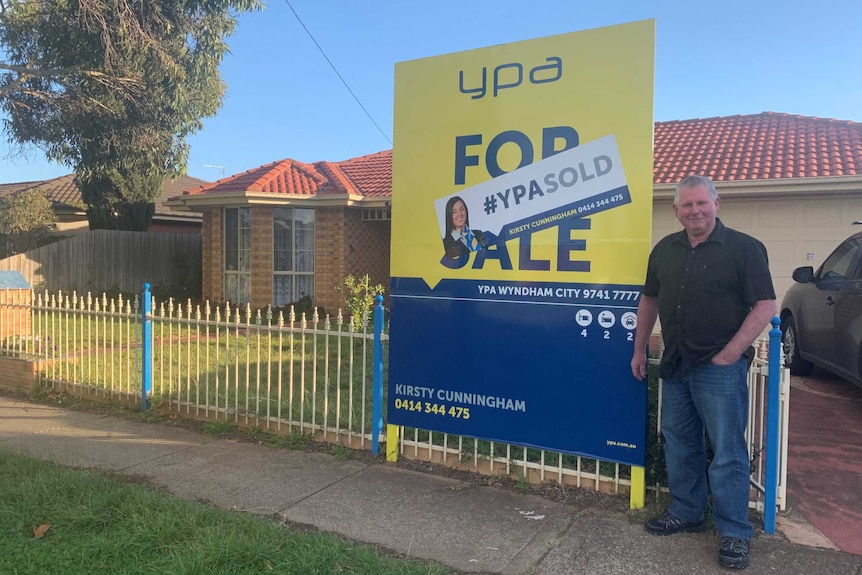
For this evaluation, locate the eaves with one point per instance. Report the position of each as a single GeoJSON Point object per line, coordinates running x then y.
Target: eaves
{"type": "Point", "coordinates": [780, 188]}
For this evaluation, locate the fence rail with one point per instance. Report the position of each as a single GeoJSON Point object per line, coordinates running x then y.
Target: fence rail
{"type": "Point", "coordinates": [289, 373]}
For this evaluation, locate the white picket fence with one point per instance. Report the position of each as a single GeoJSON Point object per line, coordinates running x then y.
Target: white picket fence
{"type": "Point", "coordinates": [287, 373]}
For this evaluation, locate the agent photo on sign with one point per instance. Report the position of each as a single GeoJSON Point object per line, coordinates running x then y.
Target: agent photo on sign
{"type": "Point", "coordinates": [460, 240]}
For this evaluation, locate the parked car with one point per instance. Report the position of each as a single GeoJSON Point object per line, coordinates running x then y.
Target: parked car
{"type": "Point", "coordinates": [821, 315]}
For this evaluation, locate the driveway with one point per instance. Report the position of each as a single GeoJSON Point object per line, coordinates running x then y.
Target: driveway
{"type": "Point", "coordinates": [824, 466]}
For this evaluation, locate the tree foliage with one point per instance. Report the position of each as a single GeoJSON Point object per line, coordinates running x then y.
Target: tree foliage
{"type": "Point", "coordinates": [112, 89]}
{"type": "Point", "coordinates": [26, 220]}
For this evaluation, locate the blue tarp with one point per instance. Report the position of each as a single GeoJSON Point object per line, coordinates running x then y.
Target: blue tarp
{"type": "Point", "coordinates": [13, 280]}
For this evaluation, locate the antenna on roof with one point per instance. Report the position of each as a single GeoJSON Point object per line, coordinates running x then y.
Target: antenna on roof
{"type": "Point", "coordinates": [220, 168]}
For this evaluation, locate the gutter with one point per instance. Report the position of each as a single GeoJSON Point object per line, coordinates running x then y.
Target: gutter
{"type": "Point", "coordinates": [776, 187]}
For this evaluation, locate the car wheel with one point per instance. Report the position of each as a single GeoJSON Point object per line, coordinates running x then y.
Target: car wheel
{"type": "Point", "coordinates": [790, 347]}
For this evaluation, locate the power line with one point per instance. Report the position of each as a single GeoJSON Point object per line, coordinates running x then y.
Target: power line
{"type": "Point", "coordinates": [334, 69]}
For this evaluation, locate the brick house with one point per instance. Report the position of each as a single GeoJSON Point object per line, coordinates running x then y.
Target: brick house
{"type": "Point", "coordinates": [289, 229]}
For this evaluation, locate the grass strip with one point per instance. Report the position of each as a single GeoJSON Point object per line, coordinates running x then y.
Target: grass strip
{"type": "Point", "coordinates": [100, 524]}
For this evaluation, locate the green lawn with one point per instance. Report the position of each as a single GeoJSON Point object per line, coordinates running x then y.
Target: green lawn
{"type": "Point", "coordinates": [97, 524]}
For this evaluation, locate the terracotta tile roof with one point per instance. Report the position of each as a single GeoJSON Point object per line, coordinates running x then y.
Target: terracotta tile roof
{"type": "Point", "coordinates": [750, 147]}
{"type": "Point", "coordinates": [757, 147]}
{"type": "Point", "coordinates": [372, 173]}
{"type": "Point", "coordinates": [63, 192]}
{"type": "Point", "coordinates": [282, 177]}
{"type": "Point", "coordinates": [369, 176]}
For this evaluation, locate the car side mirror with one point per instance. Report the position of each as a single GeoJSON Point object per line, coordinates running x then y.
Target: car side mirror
{"type": "Point", "coordinates": [803, 275]}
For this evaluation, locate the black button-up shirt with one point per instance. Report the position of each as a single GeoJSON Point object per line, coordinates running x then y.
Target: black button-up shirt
{"type": "Point", "coordinates": [705, 293]}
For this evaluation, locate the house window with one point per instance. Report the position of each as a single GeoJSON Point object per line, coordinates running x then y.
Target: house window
{"type": "Point", "coordinates": [376, 214]}
{"type": "Point", "coordinates": [237, 255]}
{"type": "Point", "coordinates": [292, 255]}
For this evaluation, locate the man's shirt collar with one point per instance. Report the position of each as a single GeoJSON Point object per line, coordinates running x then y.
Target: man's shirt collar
{"type": "Point", "coordinates": [718, 234]}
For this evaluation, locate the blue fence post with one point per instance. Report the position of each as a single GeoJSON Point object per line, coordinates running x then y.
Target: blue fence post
{"type": "Point", "coordinates": [146, 347]}
{"type": "Point", "coordinates": [377, 402]}
{"type": "Point", "coordinates": [773, 397]}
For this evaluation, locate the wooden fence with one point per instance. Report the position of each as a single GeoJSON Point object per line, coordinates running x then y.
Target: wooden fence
{"type": "Point", "coordinates": [114, 261]}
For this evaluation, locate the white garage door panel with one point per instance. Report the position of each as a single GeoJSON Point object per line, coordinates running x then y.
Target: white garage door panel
{"type": "Point", "coordinates": [791, 229]}
{"type": "Point", "coordinates": [782, 256]}
{"type": "Point", "coordinates": [812, 252]}
{"type": "Point", "coordinates": [781, 263]}
{"type": "Point", "coordinates": [823, 214]}
{"type": "Point", "coordinates": [854, 211]}
{"type": "Point", "coordinates": [663, 221]}
{"type": "Point", "coordinates": [779, 215]}
{"type": "Point", "coordinates": [781, 284]}
{"type": "Point", "coordinates": [738, 212]}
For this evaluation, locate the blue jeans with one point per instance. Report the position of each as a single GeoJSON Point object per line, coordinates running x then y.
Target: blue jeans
{"type": "Point", "coordinates": [711, 398]}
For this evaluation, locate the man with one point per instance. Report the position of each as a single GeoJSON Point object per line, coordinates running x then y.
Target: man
{"type": "Point", "coordinates": [711, 288]}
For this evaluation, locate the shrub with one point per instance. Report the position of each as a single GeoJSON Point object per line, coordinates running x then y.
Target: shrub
{"type": "Point", "coordinates": [359, 295]}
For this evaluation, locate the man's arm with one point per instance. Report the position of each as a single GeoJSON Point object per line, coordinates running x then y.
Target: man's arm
{"type": "Point", "coordinates": [647, 315]}
{"type": "Point", "coordinates": [757, 319]}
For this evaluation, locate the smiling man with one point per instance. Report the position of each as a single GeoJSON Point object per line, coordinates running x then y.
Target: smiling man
{"type": "Point", "coordinates": [711, 288]}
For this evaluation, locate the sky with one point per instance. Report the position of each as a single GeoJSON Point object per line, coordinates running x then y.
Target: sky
{"type": "Point", "coordinates": [717, 58]}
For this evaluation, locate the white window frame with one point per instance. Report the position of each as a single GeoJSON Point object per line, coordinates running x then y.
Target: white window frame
{"type": "Point", "coordinates": [308, 251]}
{"type": "Point", "coordinates": [241, 275]}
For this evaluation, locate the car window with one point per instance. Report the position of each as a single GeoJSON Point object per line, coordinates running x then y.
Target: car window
{"type": "Point", "coordinates": [855, 273]}
{"type": "Point", "coordinates": [837, 265]}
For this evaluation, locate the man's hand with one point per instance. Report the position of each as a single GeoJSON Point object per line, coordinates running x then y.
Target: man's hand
{"type": "Point", "coordinates": [720, 359]}
{"type": "Point", "coordinates": [757, 319]}
{"type": "Point", "coordinates": [639, 365]}
{"type": "Point", "coordinates": [647, 315]}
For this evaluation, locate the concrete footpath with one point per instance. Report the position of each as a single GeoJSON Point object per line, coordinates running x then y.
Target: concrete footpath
{"type": "Point", "coordinates": [471, 528]}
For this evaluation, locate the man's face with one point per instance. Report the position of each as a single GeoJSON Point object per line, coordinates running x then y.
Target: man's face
{"type": "Point", "coordinates": [696, 211]}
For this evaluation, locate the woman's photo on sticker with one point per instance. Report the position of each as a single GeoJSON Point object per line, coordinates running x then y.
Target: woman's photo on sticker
{"type": "Point", "coordinates": [460, 239]}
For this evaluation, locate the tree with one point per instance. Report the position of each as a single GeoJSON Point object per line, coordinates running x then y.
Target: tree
{"type": "Point", "coordinates": [112, 89]}
{"type": "Point", "coordinates": [26, 220]}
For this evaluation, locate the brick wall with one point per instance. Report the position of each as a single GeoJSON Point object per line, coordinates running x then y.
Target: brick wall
{"type": "Point", "coordinates": [212, 230]}
{"type": "Point", "coordinates": [261, 256]}
{"type": "Point", "coordinates": [343, 244]}
{"type": "Point", "coordinates": [18, 375]}
{"type": "Point", "coordinates": [329, 257]}
{"type": "Point", "coordinates": [368, 248]}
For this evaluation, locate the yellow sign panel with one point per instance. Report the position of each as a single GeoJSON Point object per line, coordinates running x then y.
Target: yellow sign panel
{"type": "Point", "coordinates": [488, 126]}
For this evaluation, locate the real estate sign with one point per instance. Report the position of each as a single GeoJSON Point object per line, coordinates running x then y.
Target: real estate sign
{"type": "Point", "coordinates": [521, 222]}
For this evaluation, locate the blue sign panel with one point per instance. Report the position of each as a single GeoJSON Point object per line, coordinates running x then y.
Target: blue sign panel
{"type": "Point", "coordinates": [523, 363]}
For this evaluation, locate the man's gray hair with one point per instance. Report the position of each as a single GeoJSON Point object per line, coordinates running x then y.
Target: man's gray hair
{"type": "Point", "coordinates": [693, 182]}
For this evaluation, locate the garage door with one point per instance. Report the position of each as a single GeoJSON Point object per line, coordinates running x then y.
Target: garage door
{"type": "Point", "coordinates": [796, 232]}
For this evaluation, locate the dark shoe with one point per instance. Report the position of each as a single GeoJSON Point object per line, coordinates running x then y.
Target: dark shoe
{"type": "Point", "coordinates": [733, 552]}
{"type": "Point", "coordinates": [668, 524]}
